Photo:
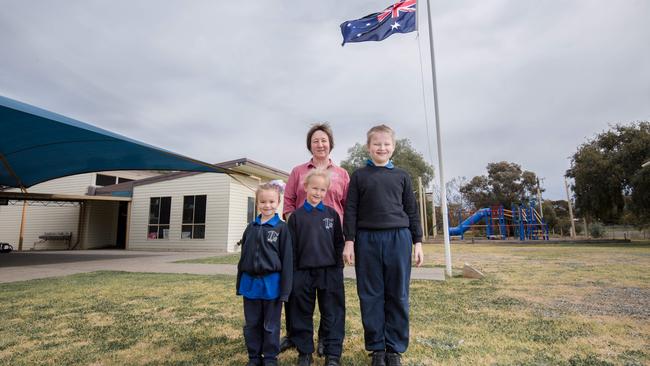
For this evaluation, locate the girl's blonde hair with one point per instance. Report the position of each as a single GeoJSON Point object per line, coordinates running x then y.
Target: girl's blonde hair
{"type": "Point", "coordinates": [378, 129]}
{"type": "Point", "coordinates": [269, 186]}
{"type": "Point", "coordinates": [318, 172]}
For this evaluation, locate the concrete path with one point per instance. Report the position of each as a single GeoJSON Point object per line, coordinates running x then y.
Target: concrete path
{"type": "Point", "coordinates": [21, 266]}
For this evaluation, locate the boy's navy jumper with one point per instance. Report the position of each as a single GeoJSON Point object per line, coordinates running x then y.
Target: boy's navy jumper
{"type": "Point", "coordinates": [318, 273]}
{"type": "Point", "coordinates": [382, 218]}
{"type": "Point", "coordinates": [264, 276]}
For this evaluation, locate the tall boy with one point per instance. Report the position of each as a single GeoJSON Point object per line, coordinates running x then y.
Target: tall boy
{"type": "Point", "coordinates": [381, 223]}
{"type": "Point", "coordinates": [318, 273]}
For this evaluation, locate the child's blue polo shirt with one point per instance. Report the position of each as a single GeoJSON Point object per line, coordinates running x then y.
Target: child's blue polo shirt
{"type": "Point", "coordinates": [308, 206]}
{"type": "Point", "coordinates": [261, 287]}
{"type": "Point", "coordinates": [390, 164]}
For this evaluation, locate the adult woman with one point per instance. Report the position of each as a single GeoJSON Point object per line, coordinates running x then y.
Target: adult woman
{"type": "Point", "coordinates": [320, 142]}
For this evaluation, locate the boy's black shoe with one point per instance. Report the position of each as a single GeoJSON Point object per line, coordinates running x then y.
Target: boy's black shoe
{"type": "Point", "coordinates": [286, 343]}
{"type": "Point", "coordinates": [393, 359]}
{"type": "Point", "coordinates": [320, 350]}
{"type": "Point", "coordinates": [378, 358]}
{"type": "Point", "coordinates": [304, 359]}
{"type": "Point", "coordinates": [332, 361]}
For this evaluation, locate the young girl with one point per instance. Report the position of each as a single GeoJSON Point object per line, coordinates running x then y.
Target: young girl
{"type": "Point", "coordinates": [381, 224]}
{"type": "Point", "coordinates": [318, 273]}
{"type": "Point", "coordinates": [264, 276]}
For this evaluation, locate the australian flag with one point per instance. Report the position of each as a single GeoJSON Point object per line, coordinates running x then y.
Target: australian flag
{"type": "Point", "coordinates": [397, 18]}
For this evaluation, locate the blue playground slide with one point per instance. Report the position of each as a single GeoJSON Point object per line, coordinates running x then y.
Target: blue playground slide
{"type": "Point", "coordinates": [464, 226]}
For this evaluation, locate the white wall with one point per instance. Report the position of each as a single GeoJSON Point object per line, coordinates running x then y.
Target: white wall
{"type": "Point", "coordinates": [214, 185]}
{"type": "Point", "coordinates": [38, 220]}
{"type": "Point", "coordinates": [240, 189]}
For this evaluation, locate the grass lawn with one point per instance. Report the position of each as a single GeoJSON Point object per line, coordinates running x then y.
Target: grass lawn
{"type": "Point", "coordinates": [539, 305]}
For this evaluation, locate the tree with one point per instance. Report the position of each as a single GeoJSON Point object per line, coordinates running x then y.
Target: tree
{"type": "Point", "coordinates": [405, 157]}
{"type": "Point", "coordinates": [504, 184]}
{"type": "Point", "coordinates": [607, 174]}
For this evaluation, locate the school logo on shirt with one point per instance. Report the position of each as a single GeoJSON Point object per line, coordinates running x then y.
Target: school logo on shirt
{"type": "Point", "coordinates": [329, 223]}
{"type": "Point", "coordinates": [272, 236]}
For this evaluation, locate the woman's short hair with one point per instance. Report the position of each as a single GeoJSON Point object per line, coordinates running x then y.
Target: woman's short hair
{"type": "Point", "coordinates": [318, 172]}
{"type": "Point", "coordinates": [325, 127]}
{"type": "Point", "coordinates": [378, 129]}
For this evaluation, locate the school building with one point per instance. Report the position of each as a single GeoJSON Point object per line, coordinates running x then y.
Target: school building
{"type": "Point", "coordinates": [139, 210]}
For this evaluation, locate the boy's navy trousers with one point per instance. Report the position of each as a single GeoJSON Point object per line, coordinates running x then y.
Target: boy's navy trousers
{"type": "Point", "coordinates": [383, 268]}
{"type": "Point", "coordinates": [326, 284]}
{"type": "Point", "coordinates": [262, 330]}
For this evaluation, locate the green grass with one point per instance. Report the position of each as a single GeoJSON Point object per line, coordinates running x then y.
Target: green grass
{"type": "Point", "coordinates": [222, 259]}
{"type": "Point", "coordinates": [538, 305]}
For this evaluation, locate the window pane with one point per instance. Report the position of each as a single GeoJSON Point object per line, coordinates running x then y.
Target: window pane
{"type": "Point", "coordinates": [199, 209]}
{"type": "Point", "coordinates": [154, 210]}
{"type": "Point", "coordinates": [165, 208]}
{"type": "Point", "coordinates": [199, 231]}
{"type": "Point", "coordinates": [250, 214]}
{"type": "Point", "coordinates": [163, 232]}
{"type": "Point", "coordinates": [188, 209]}
{"type": "Point", "coordinates": [124, 180]}
{"type": "Point", "coordinates": [104, 180]}
{"type": "Point", "coordinates": [186, 232]}
{"type": "Point", "coordinates": [153, 232]}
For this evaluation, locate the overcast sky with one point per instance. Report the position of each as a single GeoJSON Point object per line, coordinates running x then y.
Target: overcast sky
{"type": "Point", "coordinates": [522, 81]}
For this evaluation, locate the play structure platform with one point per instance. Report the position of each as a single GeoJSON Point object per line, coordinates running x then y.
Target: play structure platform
{"type": "Point", "coordinates": [521, 222]}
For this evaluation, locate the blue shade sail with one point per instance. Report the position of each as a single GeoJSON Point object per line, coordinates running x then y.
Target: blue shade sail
{"type": "Point", "coordinates": [37, 145]}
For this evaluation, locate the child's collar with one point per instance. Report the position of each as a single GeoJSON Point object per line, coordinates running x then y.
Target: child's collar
{"type": "Point", "coordinates": [389, 165]}
{"type": "Point", "coordinates": [273, 221]}
{"type": "Point", "coordinates": [309, 207]}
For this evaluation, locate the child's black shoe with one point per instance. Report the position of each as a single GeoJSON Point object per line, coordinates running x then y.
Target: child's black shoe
{"type": "Point", "coordinates": [378, 358]}
{"type": "Point", "coordinates": [304, 359]}
{"type": "Point", "coordinates": [285, 344]}
{"type": "Point", "coordinates": [393, 359]}
{"type": "Point", "coordinates": [332, 361]}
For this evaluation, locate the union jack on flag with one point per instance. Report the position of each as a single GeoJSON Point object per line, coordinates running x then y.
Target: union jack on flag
{"type": "Point", "coordinates": [397, 18]}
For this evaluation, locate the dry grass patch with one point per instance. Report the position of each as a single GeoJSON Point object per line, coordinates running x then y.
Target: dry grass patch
{"type": "Point", "coordinates": [539, 305]}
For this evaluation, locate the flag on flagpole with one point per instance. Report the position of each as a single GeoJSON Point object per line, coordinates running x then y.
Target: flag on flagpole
{"type": "Point", "coordinates": [397, 18]}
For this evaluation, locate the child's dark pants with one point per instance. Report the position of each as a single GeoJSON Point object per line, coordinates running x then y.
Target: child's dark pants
{"type": "Point", "coordinates": [383, 269]}
{"type": "Point", "coordinates": [262, 329]}
{"type": "Point", "coordinates": [326, 284]}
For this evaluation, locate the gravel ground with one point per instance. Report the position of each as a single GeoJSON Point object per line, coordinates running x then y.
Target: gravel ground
{"type": "Point", "coordinates": [612, 301]}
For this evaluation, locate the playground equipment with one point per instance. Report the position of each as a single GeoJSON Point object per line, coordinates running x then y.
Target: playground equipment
{"type": "Point", "coordinates": [522, 222]}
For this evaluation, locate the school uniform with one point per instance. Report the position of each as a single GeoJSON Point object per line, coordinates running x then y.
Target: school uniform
{"type": "Point", "coordinates": [382, 218]}
{"type": "Point", "coordinates": [318, 274]}
{"type": "Point", "coordinates": [264, 276]}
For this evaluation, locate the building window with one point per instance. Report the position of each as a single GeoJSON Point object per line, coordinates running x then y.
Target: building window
{"type": "Point", "coordinates": [104, 180]}
{"type": "Point", "coordinates": [193, 217]}
{"type": "Point", "coordinates": [123, 180]}
{"type": "Point", "coordinates": [159, 210]}
{"type": "Point", "coordinates": [250, 214]}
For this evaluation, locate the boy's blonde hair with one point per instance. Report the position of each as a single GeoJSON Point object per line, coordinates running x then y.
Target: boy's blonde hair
{"type": "Point", "coordinates": [379, 129]}
{"type": "Point", "coordinates": [269, 186]}
{"type": "Point", "coordinates": [318, 172]}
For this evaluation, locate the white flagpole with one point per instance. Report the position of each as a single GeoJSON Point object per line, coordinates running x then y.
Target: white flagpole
{"type": "Point", "coordinates": [443, 188]}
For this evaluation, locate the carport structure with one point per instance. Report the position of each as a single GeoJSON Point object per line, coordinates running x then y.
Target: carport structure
{"type": "Point", "coordinates": [37, 146]}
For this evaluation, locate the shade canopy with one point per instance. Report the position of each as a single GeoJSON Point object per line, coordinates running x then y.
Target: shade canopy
{"type": "Point", "coordinates": [37, 145]}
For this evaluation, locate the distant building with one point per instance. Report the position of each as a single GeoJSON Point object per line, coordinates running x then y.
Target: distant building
{"type": "Point", "coordinates": [142, 210]}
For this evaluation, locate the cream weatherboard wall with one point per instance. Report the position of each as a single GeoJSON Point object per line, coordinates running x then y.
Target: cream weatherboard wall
{"type": "Point", "coordinates": [100, 219]}
{"type": "Point", "coordinates": [214, 185]}
{"type": "Point", "coordinates": [101, 225]}
{"type": "Point", "coordinates": [240, 189]}
{"type": "Point", "coordinates": [41, 219]}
